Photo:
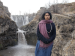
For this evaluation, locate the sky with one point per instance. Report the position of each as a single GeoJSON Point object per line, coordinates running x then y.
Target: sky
{"type": "Point", "coordinates": [17, 7]}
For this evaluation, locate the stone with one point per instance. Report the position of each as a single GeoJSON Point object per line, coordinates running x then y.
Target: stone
{"type": "Point", "coordinates": [8, 28]}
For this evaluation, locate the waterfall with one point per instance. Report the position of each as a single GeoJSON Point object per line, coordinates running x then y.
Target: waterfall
{"type": "Point", "coordinates": [21, 37]}
{"type": "Point", "coordinates": [22, 49]}
{"type": "Point", "coordinates": [20, 20]}
{"type": "Point", "coordinates": [27, 21]}
{"type": "Point", "coordinates": [11, 18]}
{"type": "Point", "coordinates": [16, 20]}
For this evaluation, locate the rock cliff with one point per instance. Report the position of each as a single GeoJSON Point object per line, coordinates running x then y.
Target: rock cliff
{"type": "Point", "coordinates": [65, 37]}
{"type": "Point", "coordinates": [8, 28]}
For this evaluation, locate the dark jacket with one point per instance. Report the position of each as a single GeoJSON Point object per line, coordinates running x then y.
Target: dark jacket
{"type": "Point", "coordinates": [52, 35]}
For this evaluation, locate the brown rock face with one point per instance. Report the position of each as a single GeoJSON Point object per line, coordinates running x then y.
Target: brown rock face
{"type": "Point", "coordinates": [8, 28]}
{"type": "Point", "coordinates": [62, 8]}
{"type": "Point", "coordinates": [64, 41]}
{"type": "Point", "coordinates": [6, 11]}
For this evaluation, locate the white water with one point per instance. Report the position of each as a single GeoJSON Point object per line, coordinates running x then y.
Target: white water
{"type": "Point", "coordinates": [22, 49]}
{"type": "Point", "coordinates": [27, 21]}
{"type": "Point", "coordinates": [20, 20]}
{"type": "Point", "coordinates": [21, 37]}
{"type": "Point", "coordinates": [22, 43]}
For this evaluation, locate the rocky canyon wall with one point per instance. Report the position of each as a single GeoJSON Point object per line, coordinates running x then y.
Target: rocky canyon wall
{"type": "Point", "coordinates": [8, 28]}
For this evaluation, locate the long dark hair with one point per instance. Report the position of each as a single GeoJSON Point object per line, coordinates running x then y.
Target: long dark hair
{"type": "Point", "coordinates": [44, 15]}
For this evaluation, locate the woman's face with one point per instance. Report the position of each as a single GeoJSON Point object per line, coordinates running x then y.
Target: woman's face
{"type": "Point", "coordinates": [47, 16]}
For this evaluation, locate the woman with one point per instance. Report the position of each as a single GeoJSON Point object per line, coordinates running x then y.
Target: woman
{"type": "Point", "coordinates": [46, 33]}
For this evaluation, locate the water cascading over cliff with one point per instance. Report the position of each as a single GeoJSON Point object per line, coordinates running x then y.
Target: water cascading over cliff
{"type": "Point", "coordinates": [20, 20]}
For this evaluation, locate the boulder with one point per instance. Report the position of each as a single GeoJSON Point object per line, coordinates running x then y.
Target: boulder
{"type": "Point", "coordinates": [64, 42]}
{"type": "Point", "coordinates": [8, 28]}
